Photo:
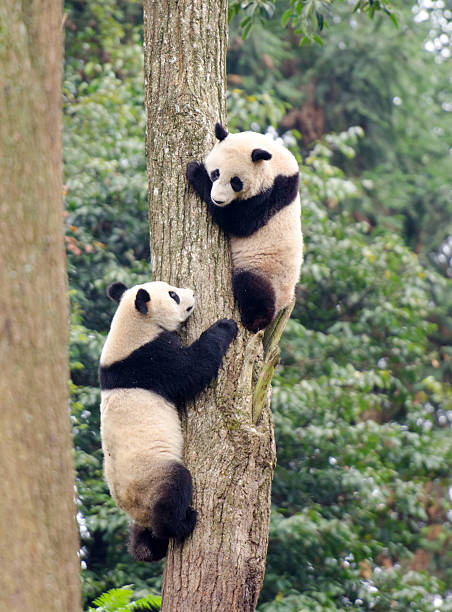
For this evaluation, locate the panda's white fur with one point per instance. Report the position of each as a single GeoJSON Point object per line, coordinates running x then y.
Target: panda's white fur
{"type": "Point", "coordinates": [232, 156]}
{"type": "Point", "coordinates": [141, 437]}
{"type": "Point", "coordinates": [145, 375]}
{"type": "Point", "coordinates": [129, 329]}
{"type": "Point", "coordinates": [280, 262]}
{"type": "Point", "coordinates": [140, 430]}
{"type": "Point", "coordinates": [262, 216]}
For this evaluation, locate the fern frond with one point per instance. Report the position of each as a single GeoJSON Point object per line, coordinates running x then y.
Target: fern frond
{"type": "Point", "coordinates": [150, 603]}
{"type": "Point", "coordinates": [114, 600]}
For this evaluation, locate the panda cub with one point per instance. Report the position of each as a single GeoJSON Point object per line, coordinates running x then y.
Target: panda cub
{"type": "Point", "coordinates": [250, 185]}
{"type": "Point", "coordinates": [146, 375]}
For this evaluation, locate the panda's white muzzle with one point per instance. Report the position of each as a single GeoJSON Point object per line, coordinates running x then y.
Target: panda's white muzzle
{"type": "Point", "coordinates": [222, 195]}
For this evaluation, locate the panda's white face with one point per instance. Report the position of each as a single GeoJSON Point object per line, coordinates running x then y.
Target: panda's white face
{"type": "Point", "coordinates": [144, 311]}
{"type": "Point", "coordinates": [246, 164]}
{"type": "Point", "coordinates": [159, 303]}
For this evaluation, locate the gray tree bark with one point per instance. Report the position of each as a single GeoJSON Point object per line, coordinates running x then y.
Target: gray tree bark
{"type": "Point", "coordinates": [229, 443]}
{"type": "Point", "coordinates": [38, 534]}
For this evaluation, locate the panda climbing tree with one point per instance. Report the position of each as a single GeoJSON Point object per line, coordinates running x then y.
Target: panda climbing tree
{"type": "Point", "coordinates": [228, 433]}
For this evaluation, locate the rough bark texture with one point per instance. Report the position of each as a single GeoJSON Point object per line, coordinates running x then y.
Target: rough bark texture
{"type": "Point", "coordinates": [231, 457]}
{"type": "Point", "coordinates": [38, 533]}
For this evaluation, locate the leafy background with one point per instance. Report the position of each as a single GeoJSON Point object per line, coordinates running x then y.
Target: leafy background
{"type": "Point", "coordinates": [362, 400]}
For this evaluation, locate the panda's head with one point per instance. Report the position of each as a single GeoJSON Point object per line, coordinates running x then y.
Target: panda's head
{"type": "Point", "coordinates": [153, 304]}
{"type": "Point", "coordinates": [244, 165]}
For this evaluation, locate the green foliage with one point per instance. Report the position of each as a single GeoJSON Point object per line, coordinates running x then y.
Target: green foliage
{"type": "Point", "coordinates": [106, 202]}
{"type": "Point", "coordinates": [253, 112]}
{"type": "Point", "coordinates": [410, 591]}
{"type": "Point", "coordinates": [307, 18]}
{"type": "Point", "coordinates": [93, 31]}
{"type": "Point", "coordinates": [251, 12]}
{"type": "Point", "coordinates": [362, 426]}
{"type": "Point", "coordinates": [118, 600]}
{"type": "Point", "coordinates": [402, 104]}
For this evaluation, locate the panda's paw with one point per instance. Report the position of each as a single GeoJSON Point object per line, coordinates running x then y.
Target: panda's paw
{"type": "Point", "coordinates": [194, 171]}
{"type": "Point", "coordinates": [144, 546]}
{"type": "Point", "coordinates": [190, 519]}
{"type": "Point", "coordinates": [199, 179]}
{"type": "Point", "coordinates": [226, 328]}
{"type": "Point", "coordinates": [228, 325]}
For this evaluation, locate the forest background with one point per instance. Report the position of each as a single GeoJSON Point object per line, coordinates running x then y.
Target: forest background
{"type": "Point", "coordinates": [362, 404]}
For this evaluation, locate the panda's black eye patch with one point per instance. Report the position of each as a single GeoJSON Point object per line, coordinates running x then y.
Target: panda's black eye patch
{"type": "Point", "coordinates": [236, 183]}
{"type": "Point", "coordinates": [175, 297]}
{"type": "Point", "coordinates": [215, 174]}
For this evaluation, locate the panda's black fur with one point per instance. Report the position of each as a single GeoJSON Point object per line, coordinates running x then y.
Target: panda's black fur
{"type": "Point", "coordinates": [167, 367]}
{"type": "Point", "coordinates": [256, 298]}
{"type": "Point", "coordinates": [146, 375]}
{"type": "Point", "coordinates": [244, 217]}
{"type": "Point", "coordinates": [250, 186]}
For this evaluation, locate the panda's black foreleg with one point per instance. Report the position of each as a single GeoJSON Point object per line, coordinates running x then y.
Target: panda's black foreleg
{"type": "Point", "coordinates": [172, 516]}
{"type": "Point", "coordinates": [199, 363]}
{"type": "Point", "coordinates": [144, 546]}
{"type": "Point", "coordinates": [255, 298]}
{"type": "Point", "coordinates": [199, 179]}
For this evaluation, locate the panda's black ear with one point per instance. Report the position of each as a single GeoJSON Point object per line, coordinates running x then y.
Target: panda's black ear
{"type": "Point", "coordinates": [115, 291]}
{"type": "Point", "coordinates": [141, 301]}
{"type": "Point", "coordinates": [220, 132]}
{"type": "Point", "coordinates": [258, 154]}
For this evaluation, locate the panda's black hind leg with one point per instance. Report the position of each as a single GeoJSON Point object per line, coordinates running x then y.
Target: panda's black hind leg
{"type": "Point", "coordinates": [255, 298]}
{"type": "Point", "coordinates": [144, 546]}
{"type": "Point", "coordinates": [172, 516]}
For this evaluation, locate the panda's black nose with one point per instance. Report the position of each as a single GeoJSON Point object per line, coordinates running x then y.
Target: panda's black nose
{"type": "Point", "coordinates": [189, 308]}
{"type": "Point", "coordinates": [218, 201]}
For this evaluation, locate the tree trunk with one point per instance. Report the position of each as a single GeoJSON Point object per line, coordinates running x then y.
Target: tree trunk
{"type": "Point", "coordinates": [38, 535]}
{"type": "Point", "coordinates": [229, 444]}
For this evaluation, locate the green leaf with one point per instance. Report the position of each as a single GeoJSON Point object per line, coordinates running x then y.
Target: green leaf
{"type": "Point", "coordinates": [318, 39]}
{"type": "Point", "coordinates": [393, 19]}
{"type": "Point", "coordinates": [286, 17]}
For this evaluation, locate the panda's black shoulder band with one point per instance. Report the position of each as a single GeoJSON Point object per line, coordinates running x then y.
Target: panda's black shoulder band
{"type": "Point", "coordinates": [244, 217]}
{"type": "Point", "coordinates": [170, 369]}
{"type": "Point", "coordinates": [151, 367]}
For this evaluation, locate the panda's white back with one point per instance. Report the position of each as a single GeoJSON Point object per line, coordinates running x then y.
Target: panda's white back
{"type": "Point", "coordinates": [275, 250]}
{"type": "Point", "coordinates": [141, 435]}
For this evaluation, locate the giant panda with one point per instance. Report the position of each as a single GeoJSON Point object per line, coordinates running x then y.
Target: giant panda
{"type": "Point", "coordinates": [146, 374]}
{"type": "Point", "coordinates": [250, 185]}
